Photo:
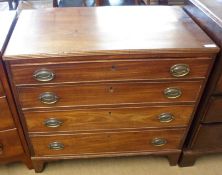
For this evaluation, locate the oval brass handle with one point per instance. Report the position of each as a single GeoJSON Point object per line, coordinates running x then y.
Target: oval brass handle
{"type": "Point", "coordinates": [56, 146]}
{"type": "Point", "coordinates": [180, 70]}
{"type": "Point", "coordinates": [172, 92]}
{"type": "Point", "coordinates": [52, 123]}
{"type": "Point", "coordinates": [165, 117]}
{"type": "Point", "coordinates": [44, 75]}
{"type": "Point", "coordinates": [159, 142]}
{"type": "Point", "coordinates": [48, 98]}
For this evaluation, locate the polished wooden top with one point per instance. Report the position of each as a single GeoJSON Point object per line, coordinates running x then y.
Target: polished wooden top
{"type": "Point", "coordinates": [213, 8]}
{"type": "Point", "coordinates": [6, 20]}
{"type": "Point", "coordinates": [83, 31]}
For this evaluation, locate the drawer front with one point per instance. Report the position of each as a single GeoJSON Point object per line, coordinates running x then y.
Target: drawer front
{"type": "Point", "coordinates": [10, 144]}
{"type": "Point", "coordinates": [208, 137]}
{"type": "Point", "coordinates": [111, 70]}
{"type": "Point", "coordinates": [109, 142]}
{"type": "Point", "coordinates": [108, 119]}
{"type": "Point", "coordinates": [6, 120]}
{"type": "Point", "coordinates": [108, 94]}
{"type": "Point", "coordinates": [214, 110]}
{"type": "Point", "coordinates": [219, 85]}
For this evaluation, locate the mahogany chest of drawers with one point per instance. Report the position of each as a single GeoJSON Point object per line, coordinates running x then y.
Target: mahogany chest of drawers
{"type": "Point", "coordinates": [205, 136]}
{"type": "Point", "coordinates": [92, 82]}
{"type": "Point", "coordinates": [12, 142]}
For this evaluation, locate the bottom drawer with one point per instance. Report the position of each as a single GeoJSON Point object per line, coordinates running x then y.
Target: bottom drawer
{"type": "Point", "coordinates": [208, 137]}
{"type": "Point", "coordinates": [108, 142]}
{"type": "Point", "coordinates": [10, 144]}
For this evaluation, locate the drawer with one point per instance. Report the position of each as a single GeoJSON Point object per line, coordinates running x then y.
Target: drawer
{"type": "Point", "coordinates": [150, 69]}
{"type": "Point", "coordinates": [219, 85]}
{"type": "Point", "coordinates": [107, 143]}
{"type": "Point", "coordinates": [208, 137]}
{"type": "Point", "coordinates": [214, 110]}
{"type": "Point", "coordinates": [108, 94]}
{"type": "Point", "coordinates": [5, 115]}
{"type": "Point", "coordinates": [10, 144]}
{"type": "Point", "coordinates": [108, 119]}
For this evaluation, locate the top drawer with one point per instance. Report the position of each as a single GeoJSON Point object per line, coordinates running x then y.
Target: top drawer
{"type": "Point", "coordinates": [149, 69]}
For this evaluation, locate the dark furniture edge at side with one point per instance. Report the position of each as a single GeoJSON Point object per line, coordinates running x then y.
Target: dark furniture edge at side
{"type": "Point", "coordinates": [212, 28]}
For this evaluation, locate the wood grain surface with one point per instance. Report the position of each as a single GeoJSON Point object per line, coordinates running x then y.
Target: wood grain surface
{"type": "Point", "coordinates": [11, 145]}
{"type": "Point", "coordinates": [109, 142]}
{"type": "Point", "coordinates": [6, 120]}
{"type": "Point", "coordinates": [89, 50]}
{"type": "Point", "coordinates": [218, 89]}
{"type": "Point", "coordinates": [106, 31]}
{"type": "Point", "coordinates": [2, 92]}
{"type": "Point", "coordinates": [113, 70]}
{"type": "Point", "coordinates": [108, 118]}
{"type": "Point", "coordinates": [213, 111]}
{"type": "Point", "coordinates": [108, 94]}
{"type": "Point", "coordinates": [208, 138]}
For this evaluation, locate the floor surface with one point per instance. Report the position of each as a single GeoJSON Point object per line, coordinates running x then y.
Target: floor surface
{"type": "Point", "coordinates": [206, 165]}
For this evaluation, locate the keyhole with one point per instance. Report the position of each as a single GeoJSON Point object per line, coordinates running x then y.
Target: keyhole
{"type": "Point", "coordinates": [113, 67]}
{"type": "Point", "coordinates": [111, 89]}
{"type": "Point", "coordinates": [110, 113]}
